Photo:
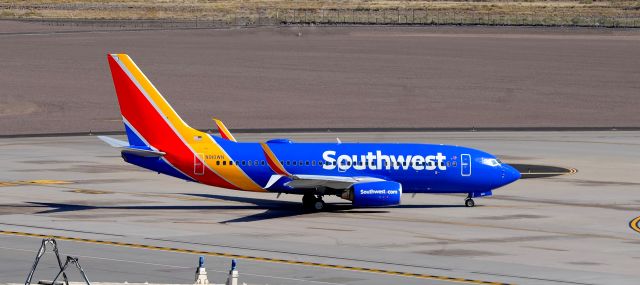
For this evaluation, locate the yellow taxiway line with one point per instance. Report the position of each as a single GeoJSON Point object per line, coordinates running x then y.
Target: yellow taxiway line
{"type": "Point", "coordinates": [33, 182]}
{"type": "Point", "coordinates": [255, 258]}
{"type": "Point", "coordinates": [635, 224]}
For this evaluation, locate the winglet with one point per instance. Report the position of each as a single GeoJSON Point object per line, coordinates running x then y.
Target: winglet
{"type": "Point", "coordinates": [222, 129]}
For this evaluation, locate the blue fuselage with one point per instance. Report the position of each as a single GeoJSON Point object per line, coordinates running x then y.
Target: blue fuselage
{"type": "Point", "coordinates": [420, 168]}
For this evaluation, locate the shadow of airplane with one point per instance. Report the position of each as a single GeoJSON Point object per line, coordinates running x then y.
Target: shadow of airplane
{"type": "Point", "coordinates": [274, 209]}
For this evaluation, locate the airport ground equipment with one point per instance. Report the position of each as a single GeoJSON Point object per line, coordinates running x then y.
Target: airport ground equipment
{"type": "Point", "coordinates": [74, 260]}
{"type": "Point", "coordinates": [41, 252]}
{"type": "Point", "coordinates": [201, 277]}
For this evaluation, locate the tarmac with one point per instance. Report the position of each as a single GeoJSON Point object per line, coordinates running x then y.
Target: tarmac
{"type": "Point", "coordinates": [129, 224]}
{"type": "Point", "coordinates": [56, 79]}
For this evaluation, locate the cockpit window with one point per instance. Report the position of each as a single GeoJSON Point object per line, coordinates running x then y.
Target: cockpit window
{"type": "Point", "coordinates": [491, 161]}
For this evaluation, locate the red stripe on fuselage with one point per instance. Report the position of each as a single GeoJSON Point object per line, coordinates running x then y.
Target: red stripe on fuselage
{"type": "Point", "coordinates": [144, 117]}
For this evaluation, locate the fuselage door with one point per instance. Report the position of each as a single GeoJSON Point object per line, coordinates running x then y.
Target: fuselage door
{"type": "Point", "coordinates": [465, 164]}
{"type": "Point", "coordinates": [198, 164]}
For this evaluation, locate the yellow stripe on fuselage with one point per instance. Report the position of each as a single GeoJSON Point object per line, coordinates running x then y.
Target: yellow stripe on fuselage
{"type": "Point", "coordinates": [199, 142]}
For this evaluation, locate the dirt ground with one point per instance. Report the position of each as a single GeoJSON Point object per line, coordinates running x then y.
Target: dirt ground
{"type": "Point", "coordinates": [328, 77]}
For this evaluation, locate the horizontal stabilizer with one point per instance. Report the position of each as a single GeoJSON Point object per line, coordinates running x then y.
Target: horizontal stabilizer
{"type": "Point", "coordinates": [113, 142]}
{"type": "Point", "coordinates": [126, 148]}
{"type": "Point", "coordinates": [143, 152]}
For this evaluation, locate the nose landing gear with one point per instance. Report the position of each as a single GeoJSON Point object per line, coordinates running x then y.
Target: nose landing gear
{"type": "Point", "coordinates": [469, 202]}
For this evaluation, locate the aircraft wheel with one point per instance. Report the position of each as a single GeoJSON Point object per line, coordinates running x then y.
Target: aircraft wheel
{"type": "Point", "coordinates": [319, 205]}
{"type": "Point", "coordinates": [308, 201]}
{"type": "Point", "coordinates": [469, 202]}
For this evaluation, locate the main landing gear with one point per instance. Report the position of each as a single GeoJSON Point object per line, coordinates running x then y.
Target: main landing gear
{"type": "Point", "coordinates": [469, 202]}
{"type": "Point", "coordinates": [313, 203]}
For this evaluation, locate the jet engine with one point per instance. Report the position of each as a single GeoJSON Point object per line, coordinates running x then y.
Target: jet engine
{"type": "Point", "coordinates": [374, 194]}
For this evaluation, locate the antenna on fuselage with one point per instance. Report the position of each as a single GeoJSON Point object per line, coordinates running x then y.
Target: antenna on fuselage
{"type": "Point", "coordinates": [338, 139]}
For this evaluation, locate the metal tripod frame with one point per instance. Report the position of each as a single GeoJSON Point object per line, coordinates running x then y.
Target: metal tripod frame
{"type": "Point", "coordinates": [41, 251]}
{"type": "Point", "coordinates": [74, 260]}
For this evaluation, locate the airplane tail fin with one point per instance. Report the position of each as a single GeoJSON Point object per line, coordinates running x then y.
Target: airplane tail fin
{"type": "Point", "coordinates": [148, 118]}
{"type": "Point", "coordinates": [160, 140]}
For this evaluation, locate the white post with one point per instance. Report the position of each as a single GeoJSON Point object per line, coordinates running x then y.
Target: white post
{"type": "Point", "coordinates": [201, 273]}
{"type": "Point", "coordinates": [232, 279]}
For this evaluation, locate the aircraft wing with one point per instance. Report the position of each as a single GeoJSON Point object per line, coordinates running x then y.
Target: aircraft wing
{"type": "Point", "coordinates": [312, 181]}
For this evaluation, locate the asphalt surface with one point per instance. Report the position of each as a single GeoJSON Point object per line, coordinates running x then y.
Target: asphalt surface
{"type": "Point", "coordinates": [128, 224]}
{"type": "Point", "coordinates": [54, 80]}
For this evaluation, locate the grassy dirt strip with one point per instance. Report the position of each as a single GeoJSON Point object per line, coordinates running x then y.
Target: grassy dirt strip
{"type": "Point", "coordinates": [516, 12]}
{"type": "Point", "coordinates": [255, 258]}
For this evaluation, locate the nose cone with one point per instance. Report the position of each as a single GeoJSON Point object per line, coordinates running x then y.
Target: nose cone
{"type": "Point", "coordinates": [510, 174]}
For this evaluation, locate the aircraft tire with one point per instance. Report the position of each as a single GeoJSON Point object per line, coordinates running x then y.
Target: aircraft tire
{"type": "Point", "coordinates": [307, 201]}
{"type": "Point", "coordinates": [319, 205]}
{"type": "Point", "coordinates": [469, 202]}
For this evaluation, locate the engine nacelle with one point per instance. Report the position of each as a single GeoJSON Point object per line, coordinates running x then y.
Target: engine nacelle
{"type": "Point", "coordinates": [374, 194]}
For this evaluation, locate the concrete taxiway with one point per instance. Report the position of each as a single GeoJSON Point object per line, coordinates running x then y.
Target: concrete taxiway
{"type": "Point", "coordinates": [128, 224]}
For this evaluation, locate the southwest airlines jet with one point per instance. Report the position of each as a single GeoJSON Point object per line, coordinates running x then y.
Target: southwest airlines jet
{"type": "Point", "coordinates": [368, 174]}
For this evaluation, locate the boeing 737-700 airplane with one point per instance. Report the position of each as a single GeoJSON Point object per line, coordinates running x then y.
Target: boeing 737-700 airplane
{"type": "Point", "coordinates": [368, 174]}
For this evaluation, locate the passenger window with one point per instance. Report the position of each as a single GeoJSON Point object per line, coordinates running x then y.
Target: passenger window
{"type": "Point", "coordinates": [448, 163]}
{"type": "Point", "coordinates": [255, 162]}
{"type": "Point", "coordinates": [244, 163]}
{"type": "Point", "coordinates": [455, 164]}
{"type": "Point", "coordinates": [295, 163]}
{"type": "Point", "coordinates": [217, 162]}
{"type": "Point", "coordinates": [224, 162]}
{"type": "Point", "coordinates": [262, 162]}
{"type": "Point", "coordinates": [320, 162]}
{"type": "Point", "coordinates": [306, 163]}
{"type": "Point", "coordinates": [313, 163]}
{"type": "Point", "coordinates": [301, 163]}
{"type": "Point", "coordinates": [288, 162]}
